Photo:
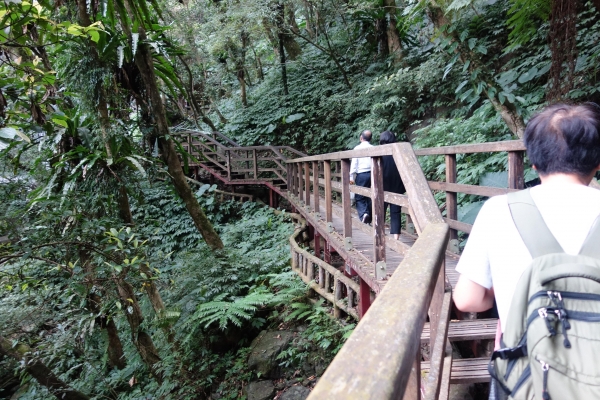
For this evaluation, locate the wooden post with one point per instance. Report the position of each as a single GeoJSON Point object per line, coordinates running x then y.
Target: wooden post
{"type": "Point", "coordinates": [365, 298]}
{"type": "Point", "coordinates": [271, 200]}
{"type": "Point", "coordinates": [413, 386]}
{"type": "Point", "coordinates": [228, 165]}
{"type": "Point", "coordinates": [516, 179]}
{"type": "Point", "coordinates": [337, 296]}
{"type": "Point", "coordinates": [295, 179]}
{"type": "Point", "coordinates": [315, 185]}
{"type": "Point", "coordinates": [317, 244]}
{"type": "Point", "coordinates": [337, 171]}
{"type": "Point", "coordinates": [307, 183]}
{"type": "Point", "coordinates": [255, 159]}
{"type": "Point", "coordinates": [451, 197]}
{"type": "Point", "coordinates": [287, 176]}
{"type": "Point", "coordinates": [327, 252]}
{"type": "Point", "coordinates": [328, 198]}
{"type": "Point", "coordinates": [346, 206]}
{"type": "Point", "coordinates": [300, 181]}
{"type": "Point", "coordinates": [378, 209]}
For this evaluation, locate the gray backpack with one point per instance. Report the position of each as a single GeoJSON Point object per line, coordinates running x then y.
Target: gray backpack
{"type": "Point", "coordinates": [550, 348]}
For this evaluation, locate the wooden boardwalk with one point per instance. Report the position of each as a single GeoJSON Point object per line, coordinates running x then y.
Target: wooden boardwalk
{"type": "Point", "coordinates": [416, 308]}
{"type": "Point", "coordinates": [362, 241]}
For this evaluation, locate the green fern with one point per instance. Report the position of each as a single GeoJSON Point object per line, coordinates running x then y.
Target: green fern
{"type": "Point", "coordinates": [234, 312]}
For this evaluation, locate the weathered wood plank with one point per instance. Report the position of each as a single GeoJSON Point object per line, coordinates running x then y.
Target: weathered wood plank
{"type": "Point", "coordinates": [451, 197]}
{"type": "Point", "coordinates": [516, 172]}
{"type": "Point", "coordinates": [315, 186]}
{"type": "Point", "coordinates": [486, 191]}
{"type": "Point", "coordinates": [346, 198]}
{"type": "Point", "coordinates": [378, 210]}
{"type": "Point", "coordinates": [255, 161]}
{"type": "Point", "coordinates": [507, 145]}
{"type": "Point", "coordinates": [328, 196]}
{"type": "Point", "coordinates": [307, 183]}
{"type": "Point", "coordinates": [424, 207]}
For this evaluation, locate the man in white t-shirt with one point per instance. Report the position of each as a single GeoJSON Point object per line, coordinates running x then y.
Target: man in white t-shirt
{"type": "Point", "coordinates": [563, 145]}
{"type": "Point", "coordinates": [360, 173]}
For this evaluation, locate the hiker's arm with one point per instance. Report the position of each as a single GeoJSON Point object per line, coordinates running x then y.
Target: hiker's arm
{"type": "Point", "coordinates": [472, 297]}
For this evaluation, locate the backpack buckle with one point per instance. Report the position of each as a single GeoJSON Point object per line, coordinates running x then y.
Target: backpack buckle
{"type": "Point", "coordinates": [510, 353]}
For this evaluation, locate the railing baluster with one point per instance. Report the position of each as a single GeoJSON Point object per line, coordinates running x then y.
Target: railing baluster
{"type": "Point", "coordinates": [378, 209]}
{"type": "Point", "coordinates": [413, 386]}
{"type": "Point", "coordinates": [328, 198]}
{"type": "Point", "coordinates": [322, 277]}
{"type": "Point", "coordinates": [228, 154]}
{"type": "Point", "coordinates": [451, 197]}
{"type": "Point", "coordinates": [337, 296]}
{"type": "Point", "coordinates": [315, 186]}
{"type": "Point", "coordinates": [327, 281]}
{"type": "Point", "coordinates": [347, 208]}
{"type": "Point", "coordinates": [300, 182]}
{"type": "Point", "coordinates": [515, 170]}
{"type": "Point", "coordinates": [255, 159]}
{"type": "Point", "coordinates": [317, 244]}
{"type": "Point", "coordinates": [307, 183]}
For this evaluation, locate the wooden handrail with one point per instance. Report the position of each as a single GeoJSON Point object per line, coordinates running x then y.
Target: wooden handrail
{"type": "Point", "coordinates": [378, 358]}
{"type": "Point", "coordinates": [514, 148]}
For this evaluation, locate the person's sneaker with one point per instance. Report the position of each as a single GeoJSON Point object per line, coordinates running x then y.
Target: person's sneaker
{"type": "Point", "coordinates": [366, 218]}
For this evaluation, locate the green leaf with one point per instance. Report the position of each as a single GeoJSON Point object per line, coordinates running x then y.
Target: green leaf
{"type": "Point", "coordinates": [294, 117]}
{"type": "Point", "coordinates": [529, 75]}
{"type": "Point", "coordinates": [60, 122]}
{"type": "Point", "coordinates": [94, 36]}
{"type": "Point", "coordinates": [8, 133]}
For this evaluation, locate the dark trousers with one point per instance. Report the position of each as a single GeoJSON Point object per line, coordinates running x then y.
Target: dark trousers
{"type": "Point", "coordinates": [394, 217]}
{"type": "Point", "coordinates": [363, 204]}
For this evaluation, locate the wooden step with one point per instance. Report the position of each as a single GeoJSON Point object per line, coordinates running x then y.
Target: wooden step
{"type": "Point", "coordinates": [466, 370]}
{"type": "Point", "coordinates": [467, 329]}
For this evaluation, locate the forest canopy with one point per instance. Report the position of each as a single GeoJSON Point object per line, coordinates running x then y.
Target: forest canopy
{"type": "Point", "coordinates": [120, 276]}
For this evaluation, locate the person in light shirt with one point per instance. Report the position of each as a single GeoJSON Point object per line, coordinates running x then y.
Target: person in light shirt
{"type": "Point", "coordinates": [360, 174]}
{"type": "Point", "coordinates": [563, 145]}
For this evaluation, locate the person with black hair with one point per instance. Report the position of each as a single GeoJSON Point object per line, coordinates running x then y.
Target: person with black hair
{"type": "Point", "coordinates": [360, 174]}
{"type": "Point", "coordinates": [391, 183]}
{"type": "Point", "coordinates": [563, 145]}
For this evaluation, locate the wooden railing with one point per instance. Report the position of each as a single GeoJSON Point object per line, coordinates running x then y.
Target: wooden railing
{"type": "Point", "coordinates": [515, 150]}
{"type": "Point", "coordinates": [325, 279]}
{"type": "Point", "coordinates": [254, 164]}
{"type": "Point", "coordinates": [381, 360]}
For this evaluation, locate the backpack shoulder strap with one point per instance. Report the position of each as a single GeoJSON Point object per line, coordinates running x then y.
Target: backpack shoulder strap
{"type": "Point", "coordinates": [531, 226]}
{"type": "Point", "coordinates": [591, 245]}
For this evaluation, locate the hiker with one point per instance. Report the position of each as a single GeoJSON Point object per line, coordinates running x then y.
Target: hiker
{"type": "Point", "coordinates": [506, 256]}
{"type": "Point", "coordinates": [360, 174]}
{"type": "Point", "coordinates": [391, 183]}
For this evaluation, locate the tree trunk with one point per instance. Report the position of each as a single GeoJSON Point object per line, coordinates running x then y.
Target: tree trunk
{"type": "Point", "coordinates": [142, 341]}
{"type": "Point", "coordinates": [39, 371]}
{"type": "Point", "coordinates": [291, 46]}
{"type": "Point", "coordinates": [394, 43]}
{"type": "Point", "coordinates": [382, 37]}
{"type": "Point", "coordinates": [280, 20]}
{"type": "Point", "coordinates": [144, 62]}
{"type": "Point", "coordinates": [269, 31]}
{"type": "Point", "coordinates": [283, 68]}
{"type": "Point", "coordinates": [116, 356]}
{"type": "Point", "coordinates": [308, 17]}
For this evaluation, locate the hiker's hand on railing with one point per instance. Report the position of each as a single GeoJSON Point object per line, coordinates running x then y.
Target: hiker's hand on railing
{"type": "Point", "coordinates": [352, 182]}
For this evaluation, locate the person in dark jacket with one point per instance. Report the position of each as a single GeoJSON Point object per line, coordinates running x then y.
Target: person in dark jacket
{"type": "Point", "coordinates": [391, 183]}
